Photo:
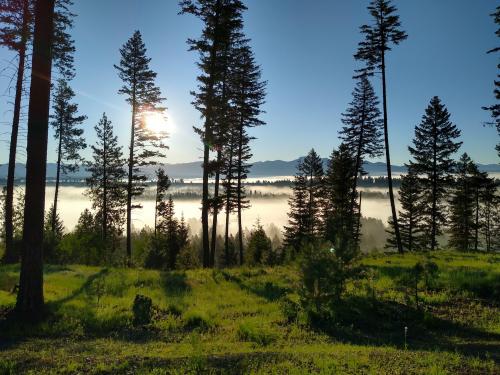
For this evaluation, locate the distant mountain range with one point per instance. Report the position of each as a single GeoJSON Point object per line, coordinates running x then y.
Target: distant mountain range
{"type": "Point", "coordinates": [260, 169]}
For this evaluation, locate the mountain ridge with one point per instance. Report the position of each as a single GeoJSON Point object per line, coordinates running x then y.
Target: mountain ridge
{"type": "Point", "coordinates": [260, 169]}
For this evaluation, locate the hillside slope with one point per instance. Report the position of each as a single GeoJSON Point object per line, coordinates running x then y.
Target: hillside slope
{"type": "Point", "coordinates": [237, 321]}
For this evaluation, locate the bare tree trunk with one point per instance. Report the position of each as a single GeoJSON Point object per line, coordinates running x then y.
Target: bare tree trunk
{"type": "Point", "coordinates": [388, 160]}
{"type": "Point", "coordinates": [58, 176]}
{"type": "Point", "coordinates": [30, 301]}
{"type": "Point", "coordinates": [104, 192]}
{"type": "Point", "coordinates": [10, 256]}
{"type": "Point", "coordinates": [129, 184]}
{"type": "Point", "coordinates": [434, 191]}
{"type": "Point", "coordinates": [239, 197]}
{"type": "Point", "coordinates": [476, 224]}
{"type": "Point", "coordinates": [216, 210]}
{"type": "Point", "coordinates": [205, 208]}
{"type": "Point", "coordinates": [156, 207]}
{"type": "Point", "coordinates": [358, 225]}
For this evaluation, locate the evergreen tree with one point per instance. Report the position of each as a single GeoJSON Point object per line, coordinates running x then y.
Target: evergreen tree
{"type": "Point", "coordinates": [462, 204]}
{"type": "Point", "coordinates": [144, 97]}
{"type": "Point", "coordinates": [162, 186]}
{"type": "Point", "coordinates": [489, 219]}
{"type": "Point", "coordinates": [362, 131]}
{"type": "Point", "coordinates": [230, 184]}
{"type": "Point", "coordinates": [15, 33]}
{"type": "Point", "coordinates": [53, 234]}
{"type": "Point", "coordinates": [340, 220]}
{"type": "Point", "coordinates": [411, 215]}
{"type": "Point", "coordinates": [312, 169]}
{"type": "Point", "coordinates": [168, 228]}
{"type": "Point", "coordinates": [259, 248]}
{"type": "Point", "coordinates": [479, 182]}
{"type": "Point", "coordinates": [384, 32]}
{"type": "Point", "coordinates": [65, 121]}
{"type": "Point", "coordinates": [221, 20]}
{"type": "Point", "coordinates": [249, 94]}
{"type": "Point", "coordinates": [433, 146]}
{"type": "Point", "coordinates": [30, 301]}
{"type": "Point", "coordinates": [183, 233]}
{"type": "Point", "coordinates": [63, 46]}
{"type": "Point", "coordinates": [495, 108]}
{"type": "Point", "coordinates": [296, 233]}
{"type": "Point", "coordinates": [105, 184]}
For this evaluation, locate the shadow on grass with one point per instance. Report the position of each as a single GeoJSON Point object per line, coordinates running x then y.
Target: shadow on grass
{"type": "Point", "coordinates": [175, 284]}
{"type": "Point", "coordinates": [267, 290]}
{"type": "Point", "coordinates": [362, 321]}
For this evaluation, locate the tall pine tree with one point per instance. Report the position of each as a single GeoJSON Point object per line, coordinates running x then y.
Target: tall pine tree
{"type": "Point", "coordinates": [384, 32]}
{"type": "Point", "coordinates": [65, 121]}
{"type": "Point", "coordinates": [221, 20]}
{"type": "Point", "coordinates": [249, 91]}
{"type": "Point", "coordinates": [144, 97]}
{"type": "Point", "coordinates": [106, 188]}
{"type": "Point", "coordinates": [362, 131]}
{"type": "Point", "coordinates": [340, 219]}
{"type": "Point", "coordinates": [495, 108]}
{"type": "Point", "coordinates": [16, 33]}
{"type": "Point", "coordinates": [434, 144]}
{"type": "Point", "coordinates": [30, 300]}
{"type": "Point", "coordinates": [489, 218]}
{"type": "Point", "coordinates": [16, 18]}
{"type": "Point", "coordinates": [462, 205]}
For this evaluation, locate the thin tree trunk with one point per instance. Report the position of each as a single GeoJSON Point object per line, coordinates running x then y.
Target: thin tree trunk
{"type": "Point", "coordinates": [156, 207]}
{"type": "Point", "coordinates": [434, 191]}
{"type": "Point", "coordinates": [226, 233]}
{"type": "Point", "coordinates": [358, 225]}
{"type": "Point", "coordinates": [58, 176]}
{"type": "Point", "coordinates": [358, 171]}
{"type": "Point", "coordinates": [476, 224]}
{"type": "Point", "coordinates": [30, 301]}
{"type": "Point", "coordinates": [105, 192]}
{"type": "Point", "coordinates": [10, 256]}
{"type": "Point", "coordinates": [388, 160]}
{"type": "Point", "coordinates": [239, 197]}
{"type": "Point", "coordinates": [216, 210]}
{"type": "Point", "coordinates": [130, 177]}
{"type": "Point", "coordinates": [205, 208]}
{"type": "Point", "coordinates": [205, 204]}
{"type": "Point", "coordinates": [228, 201]}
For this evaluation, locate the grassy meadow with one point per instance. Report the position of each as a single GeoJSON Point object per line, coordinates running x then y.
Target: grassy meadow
{"type": "Point", "coordinates": [248, 320]}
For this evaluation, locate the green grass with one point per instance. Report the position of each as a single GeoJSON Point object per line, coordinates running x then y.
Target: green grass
{"type": "Point", "coordinates": [244, 321]}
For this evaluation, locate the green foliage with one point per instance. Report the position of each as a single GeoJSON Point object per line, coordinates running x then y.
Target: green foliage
{"type": "Point", "coordinates": [257, 323]}
{"type": "Point", "coordinates": [142, 310]}
{"type": "Point", "coordinates": [53, 234]}
{"type": "Point", "coordinates": [247, 331]}
{"type": "Point", "coordinates": [324, 275]}
{"type": "Point", "coordinates": [260, 248]}
{"type": "Point", "coordinates": [189, 257]}
{"type": "Point", "coordinates": [199, 320]}
{"type": "Point", "coordinates": [434, 145]}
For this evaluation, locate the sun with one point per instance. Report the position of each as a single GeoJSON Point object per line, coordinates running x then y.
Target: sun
{"type": "Point", "coordinates": [156, 122]}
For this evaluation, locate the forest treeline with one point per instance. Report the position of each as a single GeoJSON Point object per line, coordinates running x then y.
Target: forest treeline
{"type": "Point", "coordinates": [439, 195]}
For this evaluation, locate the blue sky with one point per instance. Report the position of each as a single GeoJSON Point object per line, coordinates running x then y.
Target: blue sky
{"type": "Point", "coordinates": [305, 49]}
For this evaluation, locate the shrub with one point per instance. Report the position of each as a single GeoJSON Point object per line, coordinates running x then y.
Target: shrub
{"type": "Point", "coordinates": [142, 310]}
{"type": "Point", "coordinates": [260, 248]}
{"type": "Point", "coordinates": [324, 276]}
{"type": "Point", "coordinates": [249, 332]}
{"type": "Point", "coordinates": [290, 309]}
